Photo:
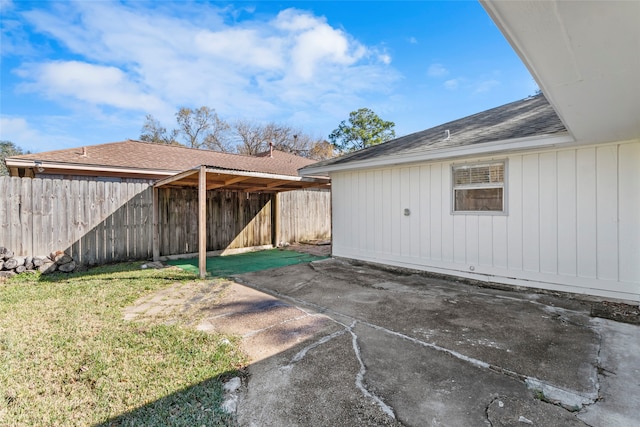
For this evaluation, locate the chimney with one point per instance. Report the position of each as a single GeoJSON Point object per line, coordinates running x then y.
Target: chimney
{"type": "Point", "coordinates": [84, 151]}
{"type": "Point", "coordinates": [270, 149]}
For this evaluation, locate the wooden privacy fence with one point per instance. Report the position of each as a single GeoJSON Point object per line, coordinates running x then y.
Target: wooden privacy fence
{"type": "Point", "coordinates": [99, 222]}
{"type": "Point", "coordinates": [93, 221]}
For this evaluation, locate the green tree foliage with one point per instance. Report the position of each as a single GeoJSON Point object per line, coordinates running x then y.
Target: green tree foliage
{"type": "Point", "coordinates": [8, 149]}
{"type": "Point", "coordinates": [363, 129]}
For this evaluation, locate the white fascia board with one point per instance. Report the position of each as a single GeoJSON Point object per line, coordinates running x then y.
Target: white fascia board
{"type": "Point", "coordinates": [80, 167]}
{"type": "Point", "coordinates": [497, 147]}
{"type": "Point", "coordinates": [264, 175]}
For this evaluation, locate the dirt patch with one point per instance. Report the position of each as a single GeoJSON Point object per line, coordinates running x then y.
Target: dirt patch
{"type": "Point", "coordinates": [617, 311]}
{"type": "Point", "coordinates": [317, 248]}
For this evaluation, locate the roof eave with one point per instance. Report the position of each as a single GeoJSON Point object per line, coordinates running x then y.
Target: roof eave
{"type": "Point", "coordinates": [23, 163]}
{"type": "Point", "coordinates": [269, 182]}
{"type": "Point", "coordinates": [495, 147]}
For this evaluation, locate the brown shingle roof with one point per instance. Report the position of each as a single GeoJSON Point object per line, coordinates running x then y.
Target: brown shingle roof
{"type": "Point", "coordinates": [148, 156]}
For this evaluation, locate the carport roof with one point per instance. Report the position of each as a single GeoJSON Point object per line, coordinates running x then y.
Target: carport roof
{"type": "Point", "coordinates": [236, 180]}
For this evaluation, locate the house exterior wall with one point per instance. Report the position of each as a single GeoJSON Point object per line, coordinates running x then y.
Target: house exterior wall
{"type": "Point", "coordinates": [572, 221]}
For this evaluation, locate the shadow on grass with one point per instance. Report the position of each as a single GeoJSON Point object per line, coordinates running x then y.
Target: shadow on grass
{"type": "Point", "coordinates": [118, 271]}
{"type": "Point", "coordinates": [197, 405]}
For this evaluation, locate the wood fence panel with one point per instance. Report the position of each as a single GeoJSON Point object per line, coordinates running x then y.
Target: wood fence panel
{"type": "Point", "coordinates": [305, 215]}
{"type": "Point", "coordinates": [97, 222]}
{"type": "Point", "coordinates": [26, 212]}
{"type": "Point", "coordinates": [14, 215]}
{"type": "Point", "coordinates": [89, 240]}
{"type": "Point", "coordinates": [4, 212]}
{"type": "Point", "coordinates": [76, 222]}
{"type": "Point", "coordinates": [131, 220]}
{"type": "Point", "coordinates": [47, 217]}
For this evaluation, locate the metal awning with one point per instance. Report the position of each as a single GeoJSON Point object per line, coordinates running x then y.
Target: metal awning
{"type": "Point", "coordinates": [210, 178]}
{"type": "Point", "coordinates": [250, 182]}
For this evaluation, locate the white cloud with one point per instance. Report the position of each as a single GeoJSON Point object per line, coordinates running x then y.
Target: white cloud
{"type": "Point", "coordinates": [385, 58]}
{"type": "Point", "coordinates": [452, 84]}
{"type": "Point", "coordinates": [437, 70]}
{"type": "Point", "coordinates": [87, 82]}
{"type": "Point", "coordinates": [413, 40]}
{"type": "Point", "coordinates": [23, 134]}
{"type": "Point", "coordinates": [315, 44]}
{"type": "Point", "coordinates": [15, 129]}
{"type": "Point", "coordinates": [485, 85]}
{"type": "Point", "coordinates": [242, 46]}
{"type": "Point", "coordinates": [473, 86]}
{"type": "Point", "coordinates": [5, 5]}
{"type": "Point", "coordinates": [158, 59]}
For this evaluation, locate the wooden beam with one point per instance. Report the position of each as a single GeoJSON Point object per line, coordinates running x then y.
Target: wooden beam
{"type": "Point", "coordinates": [156, 227]}
{"type": "Point", "coordinates": [268, 186]}
{"type": "Point", "coordinates": [227, 182]}
{"type": "Point", "coordinates": [176, 177]}
{"type": "Point", "coordinates": [202, 222]}
{"type": "Point", "coordinates": [275, 218]}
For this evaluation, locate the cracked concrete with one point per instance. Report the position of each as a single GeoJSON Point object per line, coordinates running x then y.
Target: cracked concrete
{"type": "Point", "coordinates": [428, 351]}
{"type": "Point", "coordinates": [333, 343]}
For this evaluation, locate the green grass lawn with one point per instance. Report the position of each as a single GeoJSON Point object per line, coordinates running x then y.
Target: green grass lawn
{"type": "Point", "coordinates": [67, 358]}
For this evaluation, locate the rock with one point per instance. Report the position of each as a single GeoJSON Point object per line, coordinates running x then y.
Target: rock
{"type": "Point", "coordinates": [12, 263]}
{"type": "Point", "coordinates": [1, 263]}
{"type": "Point", "coordinates": [7, 274]}
{"type": "Point", "coordinates": [39, 260]}
{"type": "Point", "coordinates": [5, 253]}
{"type": "Point", "coordinates": [62, 258]}
{"type": "Point", "coordinates": [28, 265]}
{"type": "Point", "coordinates": [156, 264]}
{"type": "Point", "coordinates": [47, 267]}
{"type": "Point", "coordinates": [232, 385]}
{"type": "Point", "coordinates": [20, 269]}
{"type": "Point", "coordinates": [68, 267]}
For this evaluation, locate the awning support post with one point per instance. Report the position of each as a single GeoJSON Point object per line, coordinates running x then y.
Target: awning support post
{"type": "Point", "coordinates": [202, 221]}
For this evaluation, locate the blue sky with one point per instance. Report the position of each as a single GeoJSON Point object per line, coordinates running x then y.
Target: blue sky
{"type": "Point", "coordinates": [87, 72]}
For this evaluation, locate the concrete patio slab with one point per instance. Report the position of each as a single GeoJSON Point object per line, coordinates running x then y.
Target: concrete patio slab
{"type": "Point", "coordinates": [432, 351]}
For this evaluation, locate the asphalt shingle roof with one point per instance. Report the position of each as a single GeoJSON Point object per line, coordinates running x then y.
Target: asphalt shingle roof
{"type": "Point", "coordinates": [146, 156]}
{"type": "Point", "coordinates": [533, 116]}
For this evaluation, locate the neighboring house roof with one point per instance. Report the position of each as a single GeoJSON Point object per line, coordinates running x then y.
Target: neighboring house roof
{"type": "Point", "coordinates": [130, 158]}
{"type": "Point", "coordinates": [528, 119]}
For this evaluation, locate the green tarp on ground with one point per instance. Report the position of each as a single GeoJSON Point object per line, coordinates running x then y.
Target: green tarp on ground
{"type": "Point", "coordinates": [222, 266]}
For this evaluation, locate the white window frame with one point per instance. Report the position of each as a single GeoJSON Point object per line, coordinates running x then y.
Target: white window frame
{"type": "Point", "coordinates": [502, 185]}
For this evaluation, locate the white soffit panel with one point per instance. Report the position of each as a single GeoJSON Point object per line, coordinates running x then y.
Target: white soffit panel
{"type": "Point", "coordinates": [585, 56]}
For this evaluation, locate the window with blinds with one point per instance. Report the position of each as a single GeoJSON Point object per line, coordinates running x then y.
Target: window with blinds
{"type": "Point", "coordinates": [479, 187]}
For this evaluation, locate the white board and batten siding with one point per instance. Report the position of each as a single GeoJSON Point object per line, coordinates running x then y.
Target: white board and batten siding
{"type": "Point", "coordinates": [572, 222]}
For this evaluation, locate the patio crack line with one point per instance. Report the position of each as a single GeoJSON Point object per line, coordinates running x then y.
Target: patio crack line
{"type": "Point", "coordinates": [567, 398]}
{"type": "Point", "coordinates": [356, 349]}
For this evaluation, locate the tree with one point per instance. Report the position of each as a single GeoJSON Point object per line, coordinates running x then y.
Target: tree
{"type": "Point", "coordinates": [364, 129]}
{"type": "Point", "coordinates": [254, 138]}
{"type": "Point", "coordinates": [8, 149]}
{"type": "Point", "coordinates": [153, 131]}
{"type": "Point", "coordinates": [202, 128]}
{"type": "Point", "coordinates": [199, 128]}
{"type": "Point", "coordinates": [322, 150]}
